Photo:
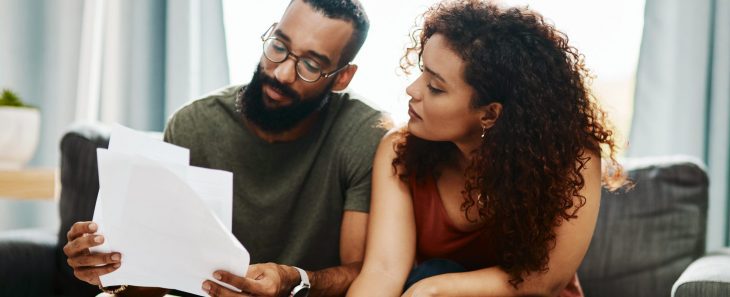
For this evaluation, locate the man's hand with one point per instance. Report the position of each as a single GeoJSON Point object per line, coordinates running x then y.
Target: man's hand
{"type": "Point", "coordinates": [88, 266]}
{"type": "Point", "coordinates": [269, 280]}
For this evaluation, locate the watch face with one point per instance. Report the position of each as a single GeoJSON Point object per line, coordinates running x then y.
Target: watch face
{"type": "Point", "coordinates": [302, 292]}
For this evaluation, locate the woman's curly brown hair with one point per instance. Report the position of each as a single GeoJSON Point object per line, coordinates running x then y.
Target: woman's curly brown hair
{"type": "Point", "coordinates": [525, 179]}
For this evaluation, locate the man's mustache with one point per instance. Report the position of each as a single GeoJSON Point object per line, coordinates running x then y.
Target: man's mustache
{"type": "Point", "coordinates": [279, 87]}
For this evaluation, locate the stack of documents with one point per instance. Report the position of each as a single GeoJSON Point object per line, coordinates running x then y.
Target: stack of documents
{"type": "Point", "coordinates": [170, 221]}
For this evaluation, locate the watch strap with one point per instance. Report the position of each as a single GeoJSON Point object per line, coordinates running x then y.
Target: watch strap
{"type": "Point", "coordinates": [303, 275]}
{"type": "Point", "coordinates": [303, 284]}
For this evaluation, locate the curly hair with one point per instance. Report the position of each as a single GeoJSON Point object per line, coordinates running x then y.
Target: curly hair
{"type": "Point", "coordinates": [525, 178]}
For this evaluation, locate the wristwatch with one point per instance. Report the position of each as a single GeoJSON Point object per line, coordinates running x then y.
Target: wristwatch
{"type": "Point", "coordinates": [302, 289]}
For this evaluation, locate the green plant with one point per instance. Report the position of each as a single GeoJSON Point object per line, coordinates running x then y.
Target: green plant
{"type": "Point", "coordinates": [9, 98]}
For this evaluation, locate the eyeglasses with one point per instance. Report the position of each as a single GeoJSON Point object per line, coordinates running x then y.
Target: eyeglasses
{"type": "Point", "coordinates": [307, 69]}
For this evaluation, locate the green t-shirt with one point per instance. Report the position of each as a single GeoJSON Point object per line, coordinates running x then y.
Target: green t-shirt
{"type": "Point", "coordinates": [288, 197]}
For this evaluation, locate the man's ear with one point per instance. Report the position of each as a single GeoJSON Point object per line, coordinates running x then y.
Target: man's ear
{"type": "Point", "coordinates": [344, 77]}
{"type": "Point", "coordinates": [490, 114]}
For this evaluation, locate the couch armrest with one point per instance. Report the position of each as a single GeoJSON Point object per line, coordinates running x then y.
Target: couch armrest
{"type": "Point", "coordinates": [27, 262]}
{"type": "Point", "coordinates": [79, 187]}
{"type": "Point", "coordinates": [706, 276]}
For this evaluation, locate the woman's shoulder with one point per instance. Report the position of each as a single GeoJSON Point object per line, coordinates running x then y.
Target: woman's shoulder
{"type": "Point", "coordinates": [395, 135]}
{"type": "Point", "coordinates": [391, 140]}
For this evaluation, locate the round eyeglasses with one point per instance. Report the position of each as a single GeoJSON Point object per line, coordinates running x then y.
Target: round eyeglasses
{"type": "Point", "coordinates": [307, 68]}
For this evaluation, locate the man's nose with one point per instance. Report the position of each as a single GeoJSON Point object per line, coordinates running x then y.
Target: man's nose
{"type": "Point", "coordinates": [286, 71]}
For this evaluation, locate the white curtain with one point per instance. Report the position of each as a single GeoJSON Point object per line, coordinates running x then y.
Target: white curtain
{"type": "Point", "coordinates": [129, 61]}
{"type": "Point", "coordinates": [39, 54]}
{"type": "Point", "coordinates": [682, 103]}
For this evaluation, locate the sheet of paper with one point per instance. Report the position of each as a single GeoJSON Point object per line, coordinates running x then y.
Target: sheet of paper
{"type": "Point", "coordinates": [114, 172]}
{"type": "Point", "coordinates": [215, 188]}
{"type": "Point", "coordinates": [126, 140]}
{"type": "Point", "coordinates": [170, 221]}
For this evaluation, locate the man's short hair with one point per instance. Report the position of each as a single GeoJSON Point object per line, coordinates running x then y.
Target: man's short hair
{"type": "Point", "coordinates": [350, 11]}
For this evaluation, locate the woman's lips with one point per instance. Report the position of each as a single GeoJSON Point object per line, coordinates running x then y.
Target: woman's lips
{"type": "Point", "coordinates": [413, 113]}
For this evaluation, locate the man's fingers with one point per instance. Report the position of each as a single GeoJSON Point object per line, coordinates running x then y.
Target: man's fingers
{"type": "Point", "coordinates": [81, 244]}
{"type": "Point", "coordinates": [94, 259]}
{"type": "Point", "coordinates": [91, 274]}
{"type": "Point", "coordinates": [80, 228]}
{"type": "Point", "coordinates": [243, 283]}
{"type": "Point", "coordinates": [255, 272]}
{"type": "Point", "coordinates": [236, 281]}
{"type": "Point", "coordinates": [216, 290]}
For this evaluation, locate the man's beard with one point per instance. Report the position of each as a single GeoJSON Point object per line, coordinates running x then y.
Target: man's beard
{"type": "Point", "coordinates": [250, 103]}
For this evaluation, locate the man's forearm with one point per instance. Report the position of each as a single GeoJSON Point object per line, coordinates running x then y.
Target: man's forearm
{"type": "Point", "coordinates": [333, 281]}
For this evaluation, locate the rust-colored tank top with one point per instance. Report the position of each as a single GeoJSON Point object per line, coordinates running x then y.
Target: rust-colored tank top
{"type": "Point", "coordinates": [438, 238]}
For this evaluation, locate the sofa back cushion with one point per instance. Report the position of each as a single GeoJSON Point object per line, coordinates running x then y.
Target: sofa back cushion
{"type": "Point", "coordinates": [645, 237]}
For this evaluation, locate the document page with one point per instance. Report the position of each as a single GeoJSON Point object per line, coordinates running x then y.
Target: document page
{"type": "Point", "coordinates": [170, 221]}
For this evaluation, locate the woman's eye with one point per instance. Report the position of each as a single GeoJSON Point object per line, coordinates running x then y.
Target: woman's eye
{"type": "Point", "coordinates": [434, 90]}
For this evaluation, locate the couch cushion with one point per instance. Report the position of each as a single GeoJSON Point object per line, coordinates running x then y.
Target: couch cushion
{"type": "Point", "coordinates": [27, 263]}
{"type": "Point", "coordinates": [647, 236]}
{"type": "Point", "coordinates": [708, 276]}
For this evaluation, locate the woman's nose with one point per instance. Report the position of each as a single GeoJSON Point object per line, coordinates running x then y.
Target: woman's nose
{"type": "Point", "coordinates": [412, 90]}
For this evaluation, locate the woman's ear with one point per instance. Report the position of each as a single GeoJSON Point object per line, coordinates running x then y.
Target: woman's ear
{"type": "Point", "coordinates": [490, 114]}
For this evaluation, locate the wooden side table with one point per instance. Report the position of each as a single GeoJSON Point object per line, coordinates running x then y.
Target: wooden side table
{"type": "Point", "coordinates": [31, 183]}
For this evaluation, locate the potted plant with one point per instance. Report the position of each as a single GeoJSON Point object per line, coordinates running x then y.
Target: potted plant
{"type": "Point", "coordinates": [19, 129]}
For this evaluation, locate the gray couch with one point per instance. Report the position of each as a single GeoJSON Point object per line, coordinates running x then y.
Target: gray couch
{"type": "Point", "coordinates": [33, 263]}
{"type": "Point", "coordinates": [645, 238]}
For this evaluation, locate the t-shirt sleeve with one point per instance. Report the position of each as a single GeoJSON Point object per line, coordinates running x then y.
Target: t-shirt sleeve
{"type": "Point", "coordinates": [167, 134]}
{"type": "Point", "coordinates": [175, 126]}
{"type": "Point", "coordinates": [358, 153]}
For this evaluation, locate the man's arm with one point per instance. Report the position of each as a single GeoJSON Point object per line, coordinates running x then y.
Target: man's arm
{"type": "Point", "coordinates": [336, 280]}
{"type": "Point", "coordinates": [271, 279]}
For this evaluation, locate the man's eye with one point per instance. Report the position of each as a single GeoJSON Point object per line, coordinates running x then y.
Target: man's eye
{"type": "Point", "coordinates": [310, 65]}
{"type": "Point", "coordinates": [279, 48]}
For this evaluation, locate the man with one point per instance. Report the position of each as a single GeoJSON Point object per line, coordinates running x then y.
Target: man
{"type": "Point", "coordinates": [301, 157]}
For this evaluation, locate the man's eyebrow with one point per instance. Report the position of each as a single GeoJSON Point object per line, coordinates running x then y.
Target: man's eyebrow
{"type": "Point", "coordinates": [434, 74]}
{"type": "Point", "coordinates": [325, 60]}
{"type": "Point", "coordinates": [281, 35]}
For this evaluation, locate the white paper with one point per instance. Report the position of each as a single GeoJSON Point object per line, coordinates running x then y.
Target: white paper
{"type": "Point", "coordinates": [126, 140]}
{"type": "Point", "coordinates": [171, 222]}
{"type": "Point", "coordinates": [215, 188]}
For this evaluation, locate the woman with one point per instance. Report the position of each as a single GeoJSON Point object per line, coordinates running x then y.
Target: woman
{"type": "Point", "coordinates": [493, 188]}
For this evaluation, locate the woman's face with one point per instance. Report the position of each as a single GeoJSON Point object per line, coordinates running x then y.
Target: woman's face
{"type": "Point", "coordinates": [440, 106]}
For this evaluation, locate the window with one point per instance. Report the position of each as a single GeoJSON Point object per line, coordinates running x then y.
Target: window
{"type": "Point", "coordinates": [608, 33]}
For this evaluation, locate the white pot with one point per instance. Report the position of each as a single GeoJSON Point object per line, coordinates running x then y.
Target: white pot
{"type": "Point", "coordinates": [19, 130]}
